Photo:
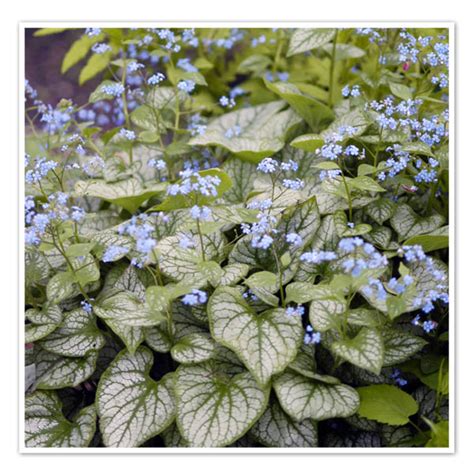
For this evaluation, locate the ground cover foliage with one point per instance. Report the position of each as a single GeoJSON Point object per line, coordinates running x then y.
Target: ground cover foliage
{"type": "Point", "coordinates": [241, 240]}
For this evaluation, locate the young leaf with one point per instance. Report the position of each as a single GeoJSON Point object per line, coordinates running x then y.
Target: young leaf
{"type": "Point", "coordinates": [386, 404]}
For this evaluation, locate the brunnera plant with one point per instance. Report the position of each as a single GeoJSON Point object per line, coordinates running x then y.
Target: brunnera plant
{"type": "Point", "coordinates": [240, 240]}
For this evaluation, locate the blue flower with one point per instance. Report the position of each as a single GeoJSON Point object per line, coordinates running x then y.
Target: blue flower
{"type": "Point", "coordinates": [128, 134]}
{"type": "Point", "coordinates": [293, 311]}
{"type": "Point", "coordinates": [294, 239]}
{"type": "Point", "coordinates": [195, 297]}
{"type": "Point", "coordinates": [267, 165]}
{"type": "Point", "coordinates": [156, 79]}
{"type": "Point", "coordinates": [203, 213]}
{"type": "Point", "coordinates": [101, 48]}
{"type": "Point", "coordinates": [86, 306]}
{"type": "Point", "coordinates": [317, 257]}
{"type": "Point", "coordinates": [113, 253]}
{"type": "Point", "coordinates": [186, 86]}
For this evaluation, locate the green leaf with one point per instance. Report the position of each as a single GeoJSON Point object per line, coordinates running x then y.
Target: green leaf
{"type": "Point", "coordinates": [439, 434]}
{"type": "Point", "coordinates": [262, 130]}
{"type": "Point", "coordinates": [302, 292]}
{"type": "Point", "coordinates": [76, 336]}
{"type": "Point", "coordinates": [436, 240]}
{"type": "Point", "coordinates": [386, 404]}
{"type": "Point", "coordinates": [309, 142]}
{"type": "Point", "coordinates": [77, 51]}
{"type": "Point", "coordinates": [99, 94]}
{"type": "Point", "coordinates": [264, 285]}
{"type": "Point", "coordinates": [400, 90]}
{"type": "Point", "coordinates": [233, 273]}
{"type": "Point", "coordinates": [254, 63]}
{"type": "Point", "coordinates": [46, 426]}
{"type": "Point", "coordinates": [407, 223]}
{"type": "Point", "coordinates": [314, 112]}
{"type": "Point", "coordinates": [214, 409]}
{"type": "Point", "coordinates": [302, 398]}
{"type": "Point", "coordinates": [266, 343]}
{"type": "Point", "coordinates": [132, 407]}
{"type": "Point", "coordinates": [306, 39]}
{"type": "Point", "coordinates": [86, 269]}
{"type": "Point", "coordinates": [48, 31]}
{"type": "Point", "coordinates": [400, 346]}
{"type": "Point", "coordinates": [278, 430]}
{"type": "Point", "coordinates": [96, 63]}
{"type": "Point", "coordinates": [345, 51]}
{"type": "Point", "coordinates": [364, 183]}
{"type": "Point", "coordinates": [193, 349]}
{"type": "Point", "coordinates": [79, 250]}
{"type": "Point", "coordinates": [366, 350]}
{"type": "Point", "coordinates": [129, 193]}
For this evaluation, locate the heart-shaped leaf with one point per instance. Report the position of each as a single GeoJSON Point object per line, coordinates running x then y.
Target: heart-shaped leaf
{"type": "Point", "coordinates": [266, 343]}
{"type": "Point", "coordinates": [132, 407]}
{"type": "Point", "coordinates": [214, 409]}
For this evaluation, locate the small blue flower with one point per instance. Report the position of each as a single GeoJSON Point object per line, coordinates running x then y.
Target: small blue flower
{"type": "Point", "coordinates": [156, 79]}
{"type": "Point", "coordinates": [294, 239]}
{"type": "Point", "coordinates": [186, 86]}
{"type": "Point", "coordinates": [86, 306]}
{"type": "Point", "coordinates": [195, 297]}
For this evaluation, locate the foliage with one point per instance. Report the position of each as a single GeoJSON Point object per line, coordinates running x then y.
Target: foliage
{"type": "Point", "coordinates": [240, 240]}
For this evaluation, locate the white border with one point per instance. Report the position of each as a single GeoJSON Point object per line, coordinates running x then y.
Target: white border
{"type": "Point", "coordinates": [452, 233]}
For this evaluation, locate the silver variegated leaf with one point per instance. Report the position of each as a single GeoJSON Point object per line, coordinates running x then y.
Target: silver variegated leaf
{"type": "Point", "coordinates": [193, 349]}
{"type": "Point", "coordinates": [76, 336]}
{"type": "Point", "coordinates": [366, 350]}
{"type": "Point", "coordinates": [266, 343]}
{"type": "Point", "coordinates": [132, 407]}
{"type": "Point", "coordinates": [400, 346]}
{"type": "Point", "coordinates": [46, 426]}
{"type": "Point", "coordinates": [276, 429]}
{"type": "Point", "coordinates": [54, 371]}
{"type": "Point", "coordinates": [324, 313]}
{"type": "Point", "coordinates": [407, 223]}
{"type": "Point", "coordinates": [256, 131]}
{"type": "Point", "coordinates": [42, 322]}
{"type": "Point", "coordinates": [303, 398]}
{"type": "Point", "coordinates": [214, 409]}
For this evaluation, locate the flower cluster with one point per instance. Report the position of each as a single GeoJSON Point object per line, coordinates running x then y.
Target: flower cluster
{"type": "Point", "coordinates": [193, 182]}
{"type": "Point", "coordinates": [140, 228]}
{"type": "Point", "coordinates": [53, 213]}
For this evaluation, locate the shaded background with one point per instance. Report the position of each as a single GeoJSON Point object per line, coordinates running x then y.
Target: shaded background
{"type": "Point", "coordinates": [43, 58]}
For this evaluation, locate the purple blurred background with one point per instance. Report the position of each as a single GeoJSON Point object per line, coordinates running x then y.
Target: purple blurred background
{"type": "Point", "coordinates": [43, 58]}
